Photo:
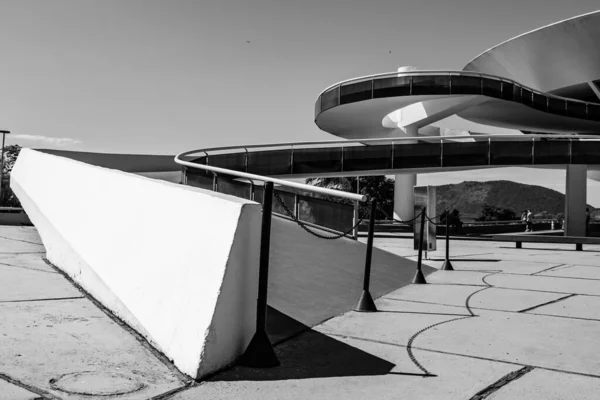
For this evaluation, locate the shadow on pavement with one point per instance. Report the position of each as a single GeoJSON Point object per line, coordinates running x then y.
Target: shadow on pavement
{"type": "Point", "coordinates": [312, 355]}
{"type": "Point", "coordinates": [281, 327]}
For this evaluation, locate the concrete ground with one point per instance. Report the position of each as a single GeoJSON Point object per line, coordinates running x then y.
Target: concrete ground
{"type": "Point", "coordinates": [57, 344]}
{"type": "Point", "coordinates": [507, 324]}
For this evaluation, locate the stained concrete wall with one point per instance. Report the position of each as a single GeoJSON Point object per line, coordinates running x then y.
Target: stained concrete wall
{"type": "Point", "coordinates": [177, 263]}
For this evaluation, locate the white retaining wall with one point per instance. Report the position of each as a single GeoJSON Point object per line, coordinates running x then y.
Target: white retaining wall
{"type": "Point", "coordinates": [178, 264]}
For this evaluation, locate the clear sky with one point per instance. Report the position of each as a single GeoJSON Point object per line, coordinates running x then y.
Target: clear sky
{"type": "Point", "coordinates": [148, 76]}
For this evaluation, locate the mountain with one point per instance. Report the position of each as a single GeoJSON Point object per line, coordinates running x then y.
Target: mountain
{"type": "Point", "coordinates": [469, 197]}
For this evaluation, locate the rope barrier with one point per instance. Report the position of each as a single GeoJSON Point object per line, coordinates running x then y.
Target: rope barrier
{"type": "Point", "coordinates": [434, 218]}
{"type": "Point", "coordinates": [303, 226]}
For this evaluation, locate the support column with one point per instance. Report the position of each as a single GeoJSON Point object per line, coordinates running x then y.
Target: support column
{"type": "Point", "coordinates": [575, 200]}
{"type": "Point", "coordinates": [404, 198]}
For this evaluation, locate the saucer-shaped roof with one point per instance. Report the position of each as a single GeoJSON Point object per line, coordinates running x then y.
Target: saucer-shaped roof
{"type": "Point", "coordinates": [550, 58]}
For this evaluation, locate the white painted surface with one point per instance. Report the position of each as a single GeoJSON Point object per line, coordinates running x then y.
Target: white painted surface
{"type": "Point", "coordinates": [404, 199]}
{"type": "Point", "coordinates": [552, 57]}
{"type": "Point", "coordinates": [179, 264]}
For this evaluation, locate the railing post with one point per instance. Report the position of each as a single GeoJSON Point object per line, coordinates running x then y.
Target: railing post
{"type": "Point", "coordinates": [183, 175]}
{"type": "Point", "coordinates": [355, 218]}
{"type": "Point", "coordinates": [447, 264]}
{"type": "Point", "coordinates": [419, 277]}
{"type": "Point", "coordinates": [260, 353]}
{"type": "Point", "coordinates": [296, 206]}
{"type": "Point", "coordinates": [366, 303]}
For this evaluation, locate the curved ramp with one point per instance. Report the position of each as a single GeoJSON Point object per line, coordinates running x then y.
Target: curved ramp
{"type": "Point", "coordinates": [358, 107]}
{"type": "Point", "coordinates": [312, 279]}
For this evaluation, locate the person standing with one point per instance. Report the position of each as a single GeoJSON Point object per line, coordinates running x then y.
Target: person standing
{"type": "Point", "coordinates": [587, 222]}
{"type": "Point", "coordinates": [529, 221]}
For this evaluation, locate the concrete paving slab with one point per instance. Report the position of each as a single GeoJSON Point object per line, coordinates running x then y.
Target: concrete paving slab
{"type": "Point", "coordinates": [545, 283]}
{"type": "Point", "coordinates": [19, 284]}
{"type": "Point", "coordinates": [511, 300]}
{"type": "Point", "coordinates": [31, 261]}
{"type": "Point", "coordinates": [45, 343]}
{"type": "Point", "coordinates": [389, 327]}
{"type": "Point", "coordinates": [479, 297]}
{"type": "Point", "coordinates": [513, 267]}
{"type": "Point", "coordinates": [24, 233]}
{"type": "Point", "coordinates": [307, 372]}
{"type": "Point", "coordinates": [539, 341]}
{"type": "Point", "coordinates": [549, 385]}
{"type": "Point", "coordinates": [453, 295]}
{"type": "Point", "coordinates": [574, 271]}
{"type": "Point", "coordinates": [587, 307]}
{"type": "Point", "coordinates": [408, 307]}
{"type": "Point", "coordinates": [8, 391]}
{"type": "Point", "coordinates": [473, 278]}
{"type": "Point", "coordinates": [8, 245]}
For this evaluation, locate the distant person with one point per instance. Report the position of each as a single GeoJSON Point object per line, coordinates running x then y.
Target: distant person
{"type": "Point", "coordinates": [529, 221]}
{"type": "Point", "coordinates": [587, 222]}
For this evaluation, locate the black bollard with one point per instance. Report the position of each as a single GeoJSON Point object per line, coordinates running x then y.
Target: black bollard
{"type": "Point", "coordinates": [419, 277]}
{"type": "Point", "coordinates": [366, 303]}
{"type": "Point", "coordinates": [447, 266]}
{"type": "Point", "coordinates": [260, 353]}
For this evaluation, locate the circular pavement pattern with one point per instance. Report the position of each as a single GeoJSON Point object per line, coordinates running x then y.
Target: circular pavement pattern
{"type": "Point", "coordinates": [96, 383]}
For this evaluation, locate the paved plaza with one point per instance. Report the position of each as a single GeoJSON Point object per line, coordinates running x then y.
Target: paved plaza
{"type": "Point", "coordinates": [507, 324]}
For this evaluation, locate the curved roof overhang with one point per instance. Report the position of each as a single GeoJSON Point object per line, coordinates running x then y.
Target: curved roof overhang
{"type": "Point", "coordinates": [559, 55]}
{"type": "Point", "coordinates": [357, 108]}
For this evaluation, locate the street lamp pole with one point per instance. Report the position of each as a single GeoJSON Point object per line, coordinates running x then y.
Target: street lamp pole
{"type": "Point", "coordinates": [4, 133]}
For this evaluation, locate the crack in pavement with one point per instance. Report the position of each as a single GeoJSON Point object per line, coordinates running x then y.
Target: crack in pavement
{"type": "Point", "coordinates": [44, 394]}
{"type": "Point", "coordinates": [28, 268]}
{"type": "Point", "coordinates": [546, 303]}
{"type": "Point", "coordinates": [46, 299]}
{"type": "Point", "coordinates": [505, 380]}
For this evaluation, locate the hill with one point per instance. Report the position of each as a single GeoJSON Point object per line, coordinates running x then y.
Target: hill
{"type": "Point", "coordinates": [469, 197]}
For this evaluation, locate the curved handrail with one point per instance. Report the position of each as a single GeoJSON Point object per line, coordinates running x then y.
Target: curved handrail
{"type": "Point", "coordinates": [282, 182]}
{"type": "Point", "coordinates": [359, 142]}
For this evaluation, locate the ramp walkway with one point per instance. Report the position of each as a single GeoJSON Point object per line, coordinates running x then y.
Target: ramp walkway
{"type": "Point", "coordinates": [57, 343]}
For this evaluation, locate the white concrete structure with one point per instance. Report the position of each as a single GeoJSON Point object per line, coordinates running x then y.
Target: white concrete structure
{"type": "Point", "coordinates": [176, 263]}
{"type": "Point", "coordinates": [544, 81]}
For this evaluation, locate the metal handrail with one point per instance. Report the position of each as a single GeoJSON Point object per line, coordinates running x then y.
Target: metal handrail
{"type": "Point", "coordinates": [448, 73]}
{"type": "Point", "coordinates": [282, 182]}
{"type": "Point", "coordinates": [358, 142]}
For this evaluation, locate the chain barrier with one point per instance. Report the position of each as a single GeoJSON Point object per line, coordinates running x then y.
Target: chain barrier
{"type": "Point", "coordinates": [303, 226]}
{"type": "Point", "coordinates": [397, 220]}
{"type": "Point", "coordinates": [410, 220]}
{"type": "Point", "coordinates": [434, 218]}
